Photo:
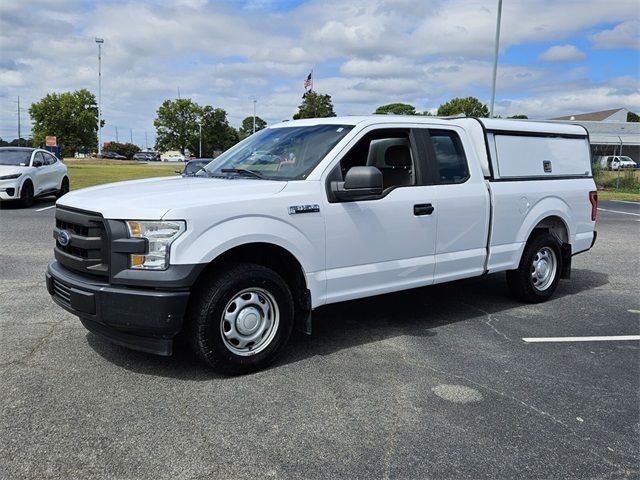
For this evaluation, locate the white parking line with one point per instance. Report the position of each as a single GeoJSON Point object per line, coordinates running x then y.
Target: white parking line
{"type": "Point", "coordinates": [625, 201]}
{"type": "Point", "coordinates": [617, 211]}
{"type": "Point", "coordinates": [611, 338]}
{"type": "Point", "coordinates": [45, 208]}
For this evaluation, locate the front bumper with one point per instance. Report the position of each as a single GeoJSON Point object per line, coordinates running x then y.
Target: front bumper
{"type": "Point", "coordinates": [140, 319]}
{"type": "Point", "coordinates": [9, 190]}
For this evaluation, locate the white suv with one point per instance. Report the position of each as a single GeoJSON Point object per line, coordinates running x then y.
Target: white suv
{"type": "Point", "coordinates": [26, 173]}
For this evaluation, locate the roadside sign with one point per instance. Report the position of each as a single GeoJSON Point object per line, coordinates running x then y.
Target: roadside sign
{"type": "Point", "coordinates": [50, 141]}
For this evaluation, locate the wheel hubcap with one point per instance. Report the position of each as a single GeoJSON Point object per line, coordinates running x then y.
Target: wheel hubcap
{"type": "Point", "coordinates": [249, 321]}
{"type": "Point", "coordinates": [543, 268]}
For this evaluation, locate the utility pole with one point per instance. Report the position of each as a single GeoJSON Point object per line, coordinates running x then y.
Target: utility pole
{"type": "Point", "coordinates": [131, 135]}
{"type": "Point", "coordinates": [146, 141]}
{"type": "Point", "coordinates": [495, 59]}
{"type": "Point", "coordinates": [99, 41]}
{"type": "Point", "coordinates": [117, 141]}
{"type": "Point", "coordinates": [200, 156]}
{"type": "Point", "coordinates": [19, 143]}
{"type": "Point", "coordinates": [254, 115]}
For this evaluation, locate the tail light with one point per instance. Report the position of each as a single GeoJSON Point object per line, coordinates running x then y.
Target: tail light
{"type": "Point", "coordinates": [593, 198]}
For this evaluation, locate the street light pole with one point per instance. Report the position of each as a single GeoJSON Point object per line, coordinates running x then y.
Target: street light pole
{"type": "Point", "coordinates": [495, 59]}
{"type": "Point", "coordinates": [200, 156]}
{"type": "Point", "coordinates": [99, 41]}
{"type": "Point", "coordinates": [254, 115]}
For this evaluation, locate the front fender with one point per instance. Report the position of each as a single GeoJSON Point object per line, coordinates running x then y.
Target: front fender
{"type": "Point", "coordinates": [221, 237]}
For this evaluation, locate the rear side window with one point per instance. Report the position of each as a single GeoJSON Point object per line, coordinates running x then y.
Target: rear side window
{"type": "Point", "coordinates": [451, 161]}
{"type": "Point", "coordinates": [49, 159]}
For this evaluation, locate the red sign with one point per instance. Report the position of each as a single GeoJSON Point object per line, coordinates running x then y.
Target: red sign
{"type": "Point", "coordinates": [50, 141]}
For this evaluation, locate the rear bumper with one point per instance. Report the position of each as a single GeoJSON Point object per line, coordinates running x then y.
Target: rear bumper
{"type": "Point", "coordinates": [140, 319]}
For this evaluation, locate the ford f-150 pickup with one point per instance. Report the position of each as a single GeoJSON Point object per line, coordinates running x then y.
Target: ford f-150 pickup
{"type": "Point", "coordinates": [317, 211]}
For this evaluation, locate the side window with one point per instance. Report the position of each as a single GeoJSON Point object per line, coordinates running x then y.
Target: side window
{"type": "Point", "coordinates": [389, 150]}
{"type": "Point", "coordinates": [49, 159]}
{"type": "Point", "coordinates": [39, 156]}
{"type": "Point", "coordinates": [450, 158]}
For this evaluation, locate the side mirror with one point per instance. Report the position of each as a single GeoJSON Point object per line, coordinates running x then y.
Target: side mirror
{"type": "Point", "coordinates": [360, 183]}
{"type": "Point", "coordinates": [37, 163]}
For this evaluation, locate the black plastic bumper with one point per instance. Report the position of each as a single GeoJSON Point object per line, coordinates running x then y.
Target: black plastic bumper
{"type": "Point", "coordinates": [140, 319]}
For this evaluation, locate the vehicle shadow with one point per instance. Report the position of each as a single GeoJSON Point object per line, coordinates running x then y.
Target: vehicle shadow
{"type": "Point", "coordinates": [37, 203]}
{"type": "Point", "coordinates": [416, 313]}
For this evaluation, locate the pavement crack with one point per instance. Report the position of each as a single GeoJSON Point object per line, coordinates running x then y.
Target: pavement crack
{"type": "Point", "coordinates": [39, 344]}
{"type": "Point", "coordinates": [488, 320]}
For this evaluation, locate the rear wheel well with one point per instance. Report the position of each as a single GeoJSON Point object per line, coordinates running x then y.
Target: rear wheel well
{"type": "Point", "coordinates": [277, 259]}
{"type": "Point", "coordinates": [555, 226]}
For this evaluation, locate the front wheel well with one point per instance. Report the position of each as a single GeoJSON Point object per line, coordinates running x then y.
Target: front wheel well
{"type": "Point", "coordinates": [276, 258]}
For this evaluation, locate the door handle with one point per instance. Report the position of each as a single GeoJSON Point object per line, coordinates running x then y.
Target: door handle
{"type": "Point", "coordinates": [423, 209]}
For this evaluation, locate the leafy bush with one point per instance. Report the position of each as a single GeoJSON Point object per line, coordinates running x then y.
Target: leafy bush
{"type": "Point", "coordinates": [126, 149]}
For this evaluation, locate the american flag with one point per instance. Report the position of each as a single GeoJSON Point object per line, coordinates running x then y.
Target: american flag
{"type": "Point", "coordinates": [308, 83]}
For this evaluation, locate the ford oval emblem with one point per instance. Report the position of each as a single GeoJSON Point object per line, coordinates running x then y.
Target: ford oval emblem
{"type": "Point", "coordinates": [64, 238]}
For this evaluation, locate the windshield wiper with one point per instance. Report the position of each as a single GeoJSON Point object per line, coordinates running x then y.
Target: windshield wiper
{"type": "Point", "coordinates": [243, 171]}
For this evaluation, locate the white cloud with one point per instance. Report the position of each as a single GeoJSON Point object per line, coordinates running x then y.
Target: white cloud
{"type": "Point", "coordinates": [623, 35]}
{"type": "Point", "coordinates": [364, 53]}
{"type": "Point", "coordinates": [562, 53]}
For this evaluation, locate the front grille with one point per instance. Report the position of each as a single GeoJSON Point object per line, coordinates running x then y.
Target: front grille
{"type": "Point", "coordinates": [62, 292]}
{"type": "Point", "coordinates": [87, 249]}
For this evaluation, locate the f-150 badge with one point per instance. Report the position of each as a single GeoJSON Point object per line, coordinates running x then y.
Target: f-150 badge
{"type": "Point", "coordinates": [294, 209]}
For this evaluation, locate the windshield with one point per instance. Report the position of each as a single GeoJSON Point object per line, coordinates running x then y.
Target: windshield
{"type": "Point", "coordinates": [15, 157]}
{"type": "Point", "coordinates": [288, 153]}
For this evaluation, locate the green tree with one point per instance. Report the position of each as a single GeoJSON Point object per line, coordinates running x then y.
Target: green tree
{"type": "Point", "coordinates": [521, 117]}
{"type": "Point", "coordinates": [470, 106]}
{"type": "Point", "coordinates": [315, 105]}
{"type": "Point", "coordinates": [246, 128]}
{"type": "Point", "coordinates": [70, 116]}
{"type": "Point", "coordinates": [177, 125]}
{"type": "Point", "coordinates": [633, 117]}
{"type": "Point", "coordinates": [217, 134]}
{"type": "Point", "coordinates": [126, 149]}
{"type": "Point", "coordinates": [396, 109]}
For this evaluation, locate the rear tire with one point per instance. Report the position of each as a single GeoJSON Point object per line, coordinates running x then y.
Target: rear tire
{"type": "Point", "coordinates": [539, 271]}
{"type": "Point", "coordinates": [64, 187]}
{"type": "Point", "coordinates": [239, 318]}
{"type": "Point", "coordinates": [26, 194]}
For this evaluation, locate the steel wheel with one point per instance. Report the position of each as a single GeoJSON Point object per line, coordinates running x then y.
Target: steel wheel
{"type": "Point", "coordinates": [249, 321]}
{"type": "Point", "coordinates": [543, 268]}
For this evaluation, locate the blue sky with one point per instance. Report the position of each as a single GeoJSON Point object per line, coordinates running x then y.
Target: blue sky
{"type": "Point", "coordinates": [557, 58]}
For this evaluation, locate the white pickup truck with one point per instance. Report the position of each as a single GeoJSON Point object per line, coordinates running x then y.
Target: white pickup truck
{"type": "Point", "coordinates": [312, 212]}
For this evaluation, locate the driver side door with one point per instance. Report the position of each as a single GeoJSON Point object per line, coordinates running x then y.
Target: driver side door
{"type": "Point", "coordinates": [384, 244]}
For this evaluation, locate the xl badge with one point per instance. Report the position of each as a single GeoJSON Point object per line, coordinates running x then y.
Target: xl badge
{"type": "Point", "coordinates": [64, 238]}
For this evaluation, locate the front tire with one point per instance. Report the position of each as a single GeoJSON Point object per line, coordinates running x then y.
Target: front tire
{"type": "Point", "coordinates": [538, 274]}
{"type": "Point", "coordinates": [64, 187]}
{"type": "Point", "coordinates": [26, 194]}
{"type": "Point", "coordinates": [239, 318]}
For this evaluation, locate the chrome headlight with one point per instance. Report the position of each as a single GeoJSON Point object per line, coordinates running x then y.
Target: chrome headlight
{"type": "Point", "coordinates": [160, 235]}
{"type": "Point", "coordinates": [11, 177]}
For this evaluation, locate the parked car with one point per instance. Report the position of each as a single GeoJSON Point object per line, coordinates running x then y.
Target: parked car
{"type": "Point", "coordinates": [172, 156]}
{"type": "Point", "coordinates": [113, 155]}
{"type": "Point", "coordinates": [194, 166]}
{"type": "Point", "coordinates": [621, 163]}
{"type": "Point", "coordinates": [348, 207]}
{"type": "Point", "coordinates": [146, 157]}
{"type": "Point", "coordinates": [28, 173]}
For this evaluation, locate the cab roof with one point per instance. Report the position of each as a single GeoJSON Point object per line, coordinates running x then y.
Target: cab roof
{"type": "Point", "coordinates": [493, 124]}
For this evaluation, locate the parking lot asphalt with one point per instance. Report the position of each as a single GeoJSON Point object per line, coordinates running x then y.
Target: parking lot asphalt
{"type": "Point", "coordinates": [431, 383]}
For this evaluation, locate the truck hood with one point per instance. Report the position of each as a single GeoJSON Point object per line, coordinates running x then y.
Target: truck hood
{"type": "Point", "coordinates": [153, 198]}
